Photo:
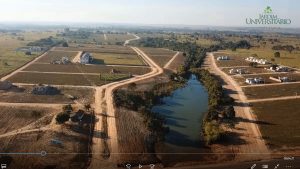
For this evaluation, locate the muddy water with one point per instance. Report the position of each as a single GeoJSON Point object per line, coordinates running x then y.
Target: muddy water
{"type": "Point", "coordinates": [184, 111]}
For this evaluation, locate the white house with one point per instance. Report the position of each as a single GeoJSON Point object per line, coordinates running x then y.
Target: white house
{"type": "Point", "coordinates": [223, 58]}
{"type": "Point", "coordinates": [259, 61]}
{"type": "Point", "coordinates": [86, 58]}
{"type": "Point", "coordinates": [237, 71]}
{"type": "Point", "coordinates": [256, 80]}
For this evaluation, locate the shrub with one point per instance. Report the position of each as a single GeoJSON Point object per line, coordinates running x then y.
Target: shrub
{"type": "Point", "coordinates": [62, 117]}
{"type": "Point", "coordinates": [212, 132]}
{"type": "Point", "coordinates": [67, 108]}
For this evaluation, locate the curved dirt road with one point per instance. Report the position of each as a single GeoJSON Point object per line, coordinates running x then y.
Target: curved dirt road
{"type": "Point", "coordinates": [246, 129]}
{"type": "Point", "coordinates": [104, 94]}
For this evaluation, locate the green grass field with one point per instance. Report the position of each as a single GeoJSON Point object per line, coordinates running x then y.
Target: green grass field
{"type": "Point", "coordinates": [263, 92]}
{"type": "Point", "coordinates": [116, 59]}
{"type": "Point", "coordinates": [9, 58]}
{"type": "Point", "coordinates": [159, 55]}
{"type": "Point", "coordinates": [282, 118]}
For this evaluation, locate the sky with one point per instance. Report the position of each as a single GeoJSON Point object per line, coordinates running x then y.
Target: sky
{"type": "Point", "coordinates": [162, 12]}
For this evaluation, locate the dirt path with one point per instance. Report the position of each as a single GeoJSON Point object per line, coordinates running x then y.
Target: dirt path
{"type": "Point", "coordinates": [170, 61]}
{"type": "Point", "coordinates": [129, 40]}
{"type": "Point", "coordinates": [248, 132]}
{"type": "Point", "coordinates": [104, 96]}
{"type": "Point", "coordinates": [77, 57]}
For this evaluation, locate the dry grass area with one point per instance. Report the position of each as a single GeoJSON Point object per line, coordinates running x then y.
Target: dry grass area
{"type": "Point", "coordinates": [71, 68]}
{"type": "Point", "coordinates": [263, 92]}
{"type": "Point", "coordinates": [58, 156]}
{"type": "Point", "coordinates": [57, 55]}
{"type": "Point", "coordinates": [281, 128]}
{"type": "Point", "coordinates": [23, 95]}
{"type": "Point", "coordinates": [158, 55]}
{"type": "Point", "coordinates": [132, 137]}
{"type": "Point", "coordinates": [13, 118]}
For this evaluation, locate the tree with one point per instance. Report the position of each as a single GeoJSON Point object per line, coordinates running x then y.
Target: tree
{"type": "Point", "coordinates": [65, 44]}
{"type": "Point", "coordinates": [67, 108]}
{"type": "Point", "coordinates": [277, 54]}
{"type": "Point", "coordinates": [229, 112]}
{"type": "Point", "coordinates": [87, 106]}
{"type": "Point", "coordinates": [132, 86]}
{"type": "Point", "coordinates": [212, 132]}
{"type": "Point", "coordinates": [62, 117]}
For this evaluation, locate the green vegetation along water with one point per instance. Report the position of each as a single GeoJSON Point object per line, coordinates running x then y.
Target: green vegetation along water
{"type": "Point", "coordinates": [184, 111]}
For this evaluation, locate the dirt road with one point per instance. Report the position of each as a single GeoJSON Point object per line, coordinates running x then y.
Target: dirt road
{"type": "Point", "coordinates": [170, 61]}
{"type": "Point", "coordinates": [129, 40]}
{"type": "Point", "coordinates": [247, 130]}
{"type": "Point", "coordinates": [104, 96]}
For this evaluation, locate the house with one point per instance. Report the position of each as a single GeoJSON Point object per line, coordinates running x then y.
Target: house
{"type": "Point", "coordinates": [250, 81]}
{"type": "Point", "coordinates": [86, 58]}
{"type": "Point", "coordinates": [282, 69]}
{"type": "Point", "coordinates": [257, 80]}
{"type": "Point", "coordinates": [237, 71]}
{"type": "Point", "coordinates": [223, 58]}
{"type": "Point", "coordinates": [259, 61]}
{"type": "Point", "coordinates": [63, 61]}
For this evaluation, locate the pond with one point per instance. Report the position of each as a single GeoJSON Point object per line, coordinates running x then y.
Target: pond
{"type": "Point", "coordinates": [184, 111]}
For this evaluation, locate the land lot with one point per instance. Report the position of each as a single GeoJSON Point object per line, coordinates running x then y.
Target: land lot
{"type": "Point", "coordinates": [263, 92]}
{"type": "Point", "coordinates": [179, 60]}
{"type": "Point", "coordinates": [98, 49]}
{"type": "Point", "coordinates": [11, 59]}
{"type": "Point", "coordinates": [249, 70]}
{"type": "Point", "coordinates": [114, 38]}
{"type": "Point", "coordinates": [235, 60]}
{"type": "Point", "coordinates": [23, 95]}
{"type": "Point", "coordinates": [158, 55]}
{"type": "Point", "coordinates": [77, 68]}
{"type": "Point", "coordinates": [280, 122]}
{"type": "Point", "coordinates": [13, 118]}
{"type": "Point", "coordinates": [68, 154]}
{"type": "Point", "coordinates": [116, 59]}
{"type": "Point", "coordinates": [57, 55]}
{"type": "Point", "coordinates": [65, 79]}
{"type": "Point", "coordinates": [288, 59]}
{"type": "Point", "coordinates": [294, 77]}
